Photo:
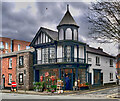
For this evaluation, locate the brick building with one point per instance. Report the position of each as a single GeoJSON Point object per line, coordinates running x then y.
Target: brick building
{"type": "Point", "coordinates": [11, 68]}
{"type": "Point", "coordinates": [9, 49]}
{"type": "Point", "coordinates": [10, 45]}
{"type": "Point", "coordinates": [25, 70]}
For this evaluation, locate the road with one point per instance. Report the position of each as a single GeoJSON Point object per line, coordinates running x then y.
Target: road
{"type": "Point", "coordinates": [97, 94]}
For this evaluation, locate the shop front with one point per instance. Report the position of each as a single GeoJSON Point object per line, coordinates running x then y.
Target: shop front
{"type": "Point", "coordinates": [68, 74]}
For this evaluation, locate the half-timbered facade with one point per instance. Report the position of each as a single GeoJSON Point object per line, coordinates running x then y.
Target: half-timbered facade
{"type": "Point", "coordinates": [60, 53]}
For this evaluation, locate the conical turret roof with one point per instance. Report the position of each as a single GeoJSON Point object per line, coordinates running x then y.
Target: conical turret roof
{"type": "Point", "coordinates": [68, 19]}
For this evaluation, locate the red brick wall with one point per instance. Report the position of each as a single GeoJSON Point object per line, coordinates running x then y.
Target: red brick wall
{"type": "Point", "coordinates": [4, 40]}
{"type": "Point", "coordinates": [15, 43]}
{"type": "Point", "coordinates": [23, 44]}
{"type": "Point", "coordinates": [6, 71]}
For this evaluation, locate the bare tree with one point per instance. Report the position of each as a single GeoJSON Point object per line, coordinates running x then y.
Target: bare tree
{"type": "Point", "coordinates": [105, 20]}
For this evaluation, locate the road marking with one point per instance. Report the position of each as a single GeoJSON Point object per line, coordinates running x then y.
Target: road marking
{"type": "Point", "coordinates": [97, 90]}
{"type": "Point", "coordinates": [112, 96]}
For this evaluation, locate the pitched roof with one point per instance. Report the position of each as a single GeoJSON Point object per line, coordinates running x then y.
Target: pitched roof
{"type": "Point", "coordinates": [51, 33]}
{"type": "Point", "coordinates": [68, 19]}
{"type": "Point", "coordinates": [98, 51]}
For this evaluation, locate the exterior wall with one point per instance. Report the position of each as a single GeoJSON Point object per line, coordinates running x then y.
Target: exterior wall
{"type": "Point", "coordinates": [6, 70]}
{"type": "Point", "coordinates": [5, 40]}
{"type": "Point", "coordinates": [27, 66]}
{"type": "Point", "coordinates": [23, 44]}
{"type": "Point", "coordinates": [104, 66]}
{"type": "Point", "coordinates": [118, 64]}
{"type": "Point", "coordinates": [14, 43]}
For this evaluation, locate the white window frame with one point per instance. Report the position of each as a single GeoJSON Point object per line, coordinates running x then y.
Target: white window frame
{"type": "Point", "coordinates": [6, 45]}
{"type": "Point", "coordinates": [111, 60]}
{"type": "Point", "coordinates": [10, 63]}
{"type": "Point", "coordinates": [98, 60]}
{"type": "Point", "coordinates": [20, 77]}
{"type": "Point", "coordinates": [111, 76]}
{"type": "Point", "coordinates": [10, 79]}
{"type": "Point", "coordinates": [18, 47]}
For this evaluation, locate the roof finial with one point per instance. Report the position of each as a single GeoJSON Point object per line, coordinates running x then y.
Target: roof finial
{"type": "Point", "coordinates": [67, 7]}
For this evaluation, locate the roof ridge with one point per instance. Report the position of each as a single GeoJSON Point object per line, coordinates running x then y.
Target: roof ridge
{"type": "Point", "coordinates": [48, 29]}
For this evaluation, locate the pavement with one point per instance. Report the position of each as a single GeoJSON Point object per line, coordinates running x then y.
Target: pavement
{"type": "Point", "coordinates": [107, 92]}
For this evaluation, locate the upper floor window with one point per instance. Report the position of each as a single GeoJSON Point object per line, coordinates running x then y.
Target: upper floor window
{"type": "Point", "coordinates": [1, 45]}
{"type": "Point", "coordinates": [68, 53]}
{"type": "Point", "coordinates": [27, 47]}
{"type": "Point", "coordinates": [10, 78]}
{"type": "Point", "coordinates": [61, 34]}
{"type": "Point", "coordinates": [75, 34]}
{"type": "Point", "coordinates": [19, 47]}
{"type": "Point", "coordinates": [45, 55]}
{"type": "Point", "coordinates": [111, 62]}
{"type": "Point", "coordinates": [52, 54]}
{"type": "Point", "coordinates": [6, 45]}
{"type": "Point", "coordinates": [21, 60]}
{"type": "Point", "coordinates": [68, 34]}
{"type": "Point", "coordinates": [97, 61]}
{"type": "Point", "coordinates": [10, 63]}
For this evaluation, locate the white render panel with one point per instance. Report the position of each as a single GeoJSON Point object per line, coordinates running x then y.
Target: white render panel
{"type": "Point", "coordinates": [59, 51]}
{"type": "Point", "coordinates": [104, 66]}
{"type": "Point", "coordinates": [81, 52]}
{"type": "Point", "coordinates": [75, 51]}
{"type": "Point", "coordinates": [46, 38]}
{"type": "Point", "coordinates": [39, 54]}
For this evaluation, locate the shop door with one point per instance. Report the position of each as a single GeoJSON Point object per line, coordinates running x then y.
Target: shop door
{"type": "Point", "coordinates": [101, 78]}
{"type": "Point", "coordinates": [68, 81]}
{"type": "Point", "coordinates": [97, 77]}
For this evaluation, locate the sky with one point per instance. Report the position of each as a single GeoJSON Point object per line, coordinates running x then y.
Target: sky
{"type": "Point", "coordinates": [21, 20]}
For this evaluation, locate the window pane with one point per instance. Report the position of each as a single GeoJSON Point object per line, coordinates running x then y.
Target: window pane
{"type": "Point", "coordinates": [6, 45]}
{"type": "Point", "coordinates": [10, 63]}
{"type": "Point", "coordinates": [61, 34]}
{"type": "Point", "coordinates": [69, 34]}
{"type": "Point", "coordinates": [10, 78]}
{"type": "Point", "coordinates": [19, 47]}
{"type": "Point", "coordinates": [75, 34]}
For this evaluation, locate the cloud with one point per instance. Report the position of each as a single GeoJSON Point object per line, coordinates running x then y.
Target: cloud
{"type": "Point", "coordinates": [21, 20]}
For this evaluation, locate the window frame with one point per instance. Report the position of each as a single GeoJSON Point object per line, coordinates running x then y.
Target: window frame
{"type": "Point", "coordinates": [97, 61]}
{"type": "Point", "coordinates": [21, 78]}
{"type": "Point", "coordinates": [10, 63]}
{"type": "Point", "coordinates": [21, 57]}
{"type": "Point", "coordinates": [111, 76]}
{"type": "Point", "coordinates": [9, 79]}
{"type": "Point", "coordinates": [18, 47]}
{"type": "Point", "coordinates": [111, 65]}
{"type": "Point", "coordinates": [6, 46]}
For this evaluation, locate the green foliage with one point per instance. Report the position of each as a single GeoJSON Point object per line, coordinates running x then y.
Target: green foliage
{"type": "Point", "coordinates": [35, 87]}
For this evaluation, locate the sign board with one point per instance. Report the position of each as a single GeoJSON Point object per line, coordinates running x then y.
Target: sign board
{"type": "Point", "coordinates": [14, 84]}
